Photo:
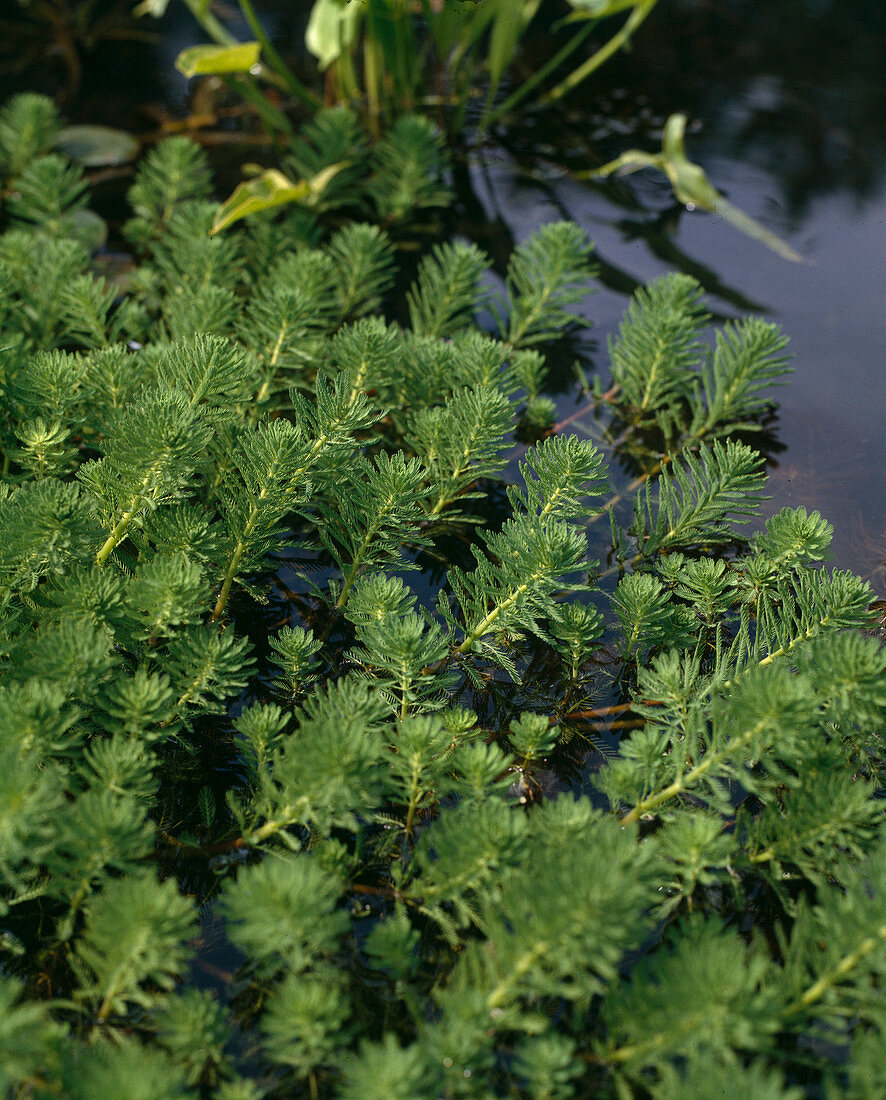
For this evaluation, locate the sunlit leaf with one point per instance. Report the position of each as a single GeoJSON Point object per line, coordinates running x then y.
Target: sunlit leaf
{"type": "Point", "coordinates": [204, 60]}
{"type": "Point", "coordinates": [331, 29]}
{"type": "Point", "coordinates": [692, 187]}
{"type": "Point", "coordinates": [270, 189]}
{"type": "Point", "coordinates": [157, 8]}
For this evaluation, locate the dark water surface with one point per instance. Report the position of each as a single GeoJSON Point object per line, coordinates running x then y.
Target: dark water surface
{"type": "Point", "coordinates": [787, 102]}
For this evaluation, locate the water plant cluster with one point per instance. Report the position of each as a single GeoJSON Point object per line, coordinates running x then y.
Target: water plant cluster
{"type": "Point", "coordinates": [385, 56]}
{"type": "Point", "coordinates": [289, 641]}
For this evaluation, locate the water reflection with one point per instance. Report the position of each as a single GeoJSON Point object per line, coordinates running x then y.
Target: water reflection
{"type": "Point", "coordinates": [790, 111]}
{"type": "Point", "coordinates": [792, 87]}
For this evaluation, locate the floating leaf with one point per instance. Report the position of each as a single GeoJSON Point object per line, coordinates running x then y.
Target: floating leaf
{"type": "Point", "coordinates": [97, 146]}
{"type": "Point", "coordinates": [270, 189]}
{"type": "Point", "coordinates": [206, 60]}
{"type": "Point", "coordinates": [692, 187]}
{"type": "Point", "coordinates": [86, 227]}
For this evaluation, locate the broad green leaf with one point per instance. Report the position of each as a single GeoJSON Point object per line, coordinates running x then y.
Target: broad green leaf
{"type": "Point", "coordinates": [270, 189]}
{"type": "Point", "coordinates": [204, 60]}
{"type": "Point", "coordinates": [332, 28]}
{"type": "Point", "coordinates": [97, 146]}
{"type": "Point", "coordinates": [692, 187]}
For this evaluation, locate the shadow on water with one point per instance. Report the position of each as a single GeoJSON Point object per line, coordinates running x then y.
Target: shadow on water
{"type": "Point", "coordinates": [787, 111]}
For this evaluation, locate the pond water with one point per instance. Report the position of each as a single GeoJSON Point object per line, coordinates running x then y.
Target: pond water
{"type": "Point", "coordinates": [786, 102]}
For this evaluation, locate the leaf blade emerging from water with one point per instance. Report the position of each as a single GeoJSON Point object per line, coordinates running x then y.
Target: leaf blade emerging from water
{"type": "Point", "coordinates": [692, 187]}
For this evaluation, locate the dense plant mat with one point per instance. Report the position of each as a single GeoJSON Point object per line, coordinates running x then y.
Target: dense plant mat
{"type": "Point", "coordinates": [298, 848]}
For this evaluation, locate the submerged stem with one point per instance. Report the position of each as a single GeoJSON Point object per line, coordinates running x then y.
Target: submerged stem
{"type": "Point", "coordinates": [684, 782]}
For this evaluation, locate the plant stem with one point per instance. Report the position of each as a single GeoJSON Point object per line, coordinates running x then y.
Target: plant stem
{"type": "Point", "coordinates": [122, 525]}
{"type": "Point", "coordinates": [489, 117]}
{"type": "Point", "coordinates": [845, 966]}
{"type": "Point", "coordinates": [371, 80]}
{"type": "Point", "coordinates": [359, 558]}
{"type": "Point", "coordinates": [599, 713]}
{"type": "Point", "coordinates": [116, 535]}
{"type": "Point", "coordinates": [290, 81]}
{"type": "Point", "coordinates": [642, 9]}
{"type": "Point", "coordinates": [274, 120]}
{"type": "Point", "coordinates": [210, 24]}
{"type": "Point", "coordinates": [635, 484]}
{"type": "Point", "coordinates": [237, 557]}
{"type": "Point", "coordinates": [413, 804]}
{"type": "Point", "coordinates": [685, 781]}
{"type": "Point", "coordinates": [641, 479]}
{"type": "Point", "coordinates": [404, 696]}
{"type": "Point", "coordinates": [523, 965]}
{"type": "Point", "coordinates": [483, 627]}
{"type": "Point", "coordinates": [623, 1054]}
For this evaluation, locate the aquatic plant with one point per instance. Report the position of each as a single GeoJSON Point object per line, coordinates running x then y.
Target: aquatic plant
{"type": "Point", "coordinates": [691, 186]}
{"type": "Point", "coordinates": [396, 45]}
{"type": "Point", "coordinates": [271, 817]}
{"type": "Point", "coordinates": [380, 55]}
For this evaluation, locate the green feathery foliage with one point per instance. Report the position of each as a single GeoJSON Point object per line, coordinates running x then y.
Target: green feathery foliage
{"type": "Point", "coordinates": [227, 718]}
{"type": "Point", "coordinates": [29, 125]}
{"type": "Point", "coordinates": [545, 274]}
{"type": "Point", "coordinates": [444, 299]}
